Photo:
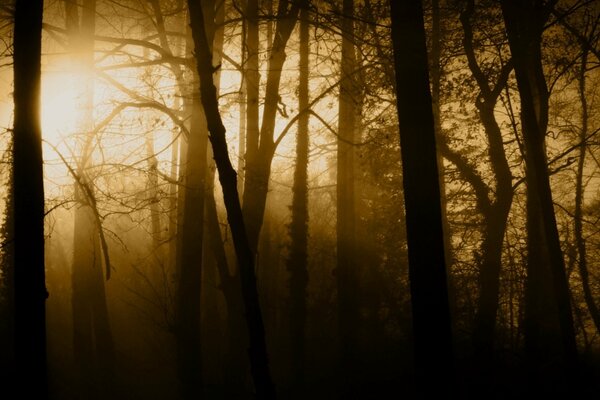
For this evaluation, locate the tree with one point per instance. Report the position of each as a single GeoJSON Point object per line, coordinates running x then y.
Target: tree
{"type": "Point", "coordinates": [245, 256]}
{"type": "Point", "coordinates": [93, 346]}
{"type": "Point", "coordinates": [346, 268]}
{"type": "Point", "coordinates": [495, 212]}
{"type": "Point", "coordinates": [297, 262]}
{"type": "Point", "coordinates": [435, 73]}
{"type": "Point", "coordinates": [582, 258]}
{"type": "Point", "coordinates": [525, 23]}
{"type": "Point", "coordinates": [189, 253]}
{"type": "Point", "coordinates": [260, 142]}
{"type": "Point", "coordinates": [432, 333]}
{"type": "Point", "coordinates": [29, 275]}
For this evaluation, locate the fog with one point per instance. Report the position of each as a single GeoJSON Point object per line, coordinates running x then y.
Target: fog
{"type": "Point", "coordinates": [146, 299]}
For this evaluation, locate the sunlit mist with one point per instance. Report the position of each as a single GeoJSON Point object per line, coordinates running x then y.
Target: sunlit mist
{"type": "Point", "coordinates": [301, 274]}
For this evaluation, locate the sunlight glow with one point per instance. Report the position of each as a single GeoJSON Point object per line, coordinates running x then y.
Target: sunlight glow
{"type": "Point", "coordinates": [59, 106]}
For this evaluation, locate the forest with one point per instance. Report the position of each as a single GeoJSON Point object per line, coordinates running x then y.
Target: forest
{"type": "Point", "coordinates": [299, 199]}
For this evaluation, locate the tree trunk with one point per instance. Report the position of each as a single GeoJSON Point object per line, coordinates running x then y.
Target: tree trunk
{"type": "Point", "coordinates": [524, 25]}
{"type": "Point", "coordinates": [495, 212]}
{"type": "Point", "coordinates": [427, 271]}
{"type": "Point", "coordinates": [252, 84]}
{"type": "Point", "coordinates": [260, 150]}
{"type": "Point", "coordinates": [179, 145]}
{"type": "Point", "coordinates": [28, 190]}
{"type": "Point", "coordinates": [495, 221]}
{"type": "Point", "coordinates": [93, 345]}
{"type": "Point", "coordinates": [189, 296]}
{"type": "Point", "coordinates": [212, 327]}
{"type": "Point", "coordinates": [227, 176]}
{"type": "Point", "coordinates": [579, 196]}
{"type": "Point", "coordinates": [189, 273]}
{"type": "Point", "coordinates": [237, 338]}
{"type": "Point", "coordinates": [298, 258]}
{"type": "Point", "coordinates": [346, 269]}
{"type": "Point", "coordinates": [153, 198]}
{"type": "Point", "coordinates": [436, 74]}
{"type": "Point", "coordinates": [7, 286]}
{"type": "Point", "coordinates": [242, 103]}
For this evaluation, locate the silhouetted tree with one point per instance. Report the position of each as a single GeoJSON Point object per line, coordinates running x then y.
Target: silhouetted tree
{"type": "Point", "coordinates": [494, 202]}
{"type": "Point", "coordinates": [227, 176]}
{"type": "Point", "coordinates": [260, 143]}
{"type": "Point", "coordinates": [582, 258]}
{"type": "Point", "coordinates": [189, 253]}
{"type": "Point", "coordinates": [29, 275]}
{"type": "Point", "coordinates": [435, 72]}
{"type": "Point", "coordinates": [525, 22]}
{"type": "Point", "coordinates": [346, 268]}
{"type": "Point", "coordinates": [432, 333]}
{"type": "Point", "coordinates": [297, 262]}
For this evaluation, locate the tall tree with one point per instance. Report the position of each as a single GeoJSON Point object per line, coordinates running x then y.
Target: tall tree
{"type": "Point", "coordinates": [93, 345]}
{"type": "Point", "coordinates": [263, 383]}
{"type": "Point", "coordinates": [525, 22]}
{"type": "Point", "coordinates": [242, 97]}
{"type": "Point", "coordinates": [252, 75]}
{"type": "Point", "coordinates": [493, 199]}
{"type": "Point", "coordinates": [189, 255]}
{"type": "Point", "coordinates": [260, 142]}
{"type": "Point", "coordinates": [427, 271]}
{"type": "Point", "coordinates": [346, 268]}
{"type": "Point", "coordinates": [29, 275]}
{"type": "Point", "coordinates": [582, 258]}
{"type": "Point", "coordinates": [7, 293]}
{"type": "Point", "coordinates": [297, 262]}
{"type": "Point", "coordinates": [435, 73]}
{"type": "Point", "coordinates": [494, 202]}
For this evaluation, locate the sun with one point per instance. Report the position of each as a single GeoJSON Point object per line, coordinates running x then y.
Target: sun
{"type": "Point", "coordinates": [59, 106]}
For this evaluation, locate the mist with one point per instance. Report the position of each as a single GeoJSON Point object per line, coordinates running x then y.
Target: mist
{"type": "Point", "coordinates": [299, 199]}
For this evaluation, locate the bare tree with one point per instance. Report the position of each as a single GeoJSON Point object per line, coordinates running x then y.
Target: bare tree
{"type": "Point", "coordinates": [227, 176]}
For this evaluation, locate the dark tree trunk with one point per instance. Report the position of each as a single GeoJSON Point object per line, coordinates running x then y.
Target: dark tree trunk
{"type": "Point", "coordinates": [427, 271]}
{"type": "Point", "coordinates": [549, 337]}
{"type": "Point", "coordinates": [28, 190]}
{"type": "Point", "coordinates": [495, 212]}
{"type": "Point", "coordinates": [346, 269]}
{"type": "Point", "coordinates": [235, 361]}
{"type": "Point", "coordinates": [252, 74]}
{"type": "Point", "coordinates": [7, 288]}
{"type": "Point", "coordinates": [242, 103]}
{"type": "Point", "coordinates": [579, 195]}
{"type": "Point", "coordinates": [237, 338]}
{"type": "Point", "coordinates": [436, 76]}
{"type": "Point", "coordinates": [189, 296]}
{"type": "Point", "coordinates": [524, 25]}
{"type": "Point", "coordinates": [212, 328]}
{"type": "Point", "coordinates": [189, 272]}
{"type": "Point", "coordinates": [264, 386]}
{"type": "Point", "coordinates": [298, 259]}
